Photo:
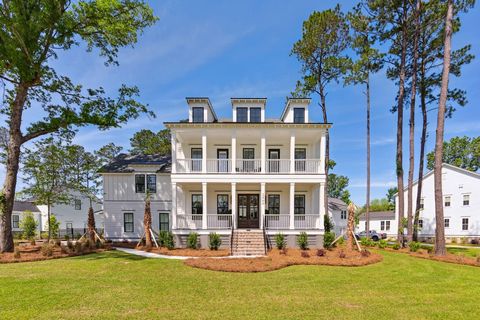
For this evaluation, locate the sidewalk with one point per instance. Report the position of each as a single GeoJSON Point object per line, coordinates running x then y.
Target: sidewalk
{"type": "Point", "coordinates": [145, 254]}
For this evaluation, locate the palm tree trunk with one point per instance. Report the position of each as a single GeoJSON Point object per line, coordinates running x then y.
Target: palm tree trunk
{"type": "Point", "coordinates": [440, 249]}
{"type": "Point", "coordinates": [367, 205]}
{"type": "Point", "coordinates": [412, 125]}
{"type": "Point", "coordinates": [91, 223]}
{"type": "Point", "coordinates": [147, 223]}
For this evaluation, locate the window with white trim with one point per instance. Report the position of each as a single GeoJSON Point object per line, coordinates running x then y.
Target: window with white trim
{"type": "Point", "coordinates": [78, 204]}
{"type": "Point", "coordinates": [420, 223]}
{"type": "Point", "coordinates": [447, 201]}
{"type": "Point", "coordinates": [343, 215]}
{"type": "Point", "coordinates": [447, 223]}
{"type": "Point", "coordinates": [422, 203]}
{"type": "Point", "coordinates": [128, 221]}
{"type": "Point", "coordinates": [16, 221]}
{"type": "Point", "coordinates": [466, 199]}
{"type": "Point", "coordinates": [464, 224]}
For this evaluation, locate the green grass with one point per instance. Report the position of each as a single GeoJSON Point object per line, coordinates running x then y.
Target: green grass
{"type": "Point", "coordinates": [115, 285]}
{"type": "Point", "coordinates": [469, 252]}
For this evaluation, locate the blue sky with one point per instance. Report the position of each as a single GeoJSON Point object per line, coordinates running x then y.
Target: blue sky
{"type": "Point", "coordinates": [242, 49]}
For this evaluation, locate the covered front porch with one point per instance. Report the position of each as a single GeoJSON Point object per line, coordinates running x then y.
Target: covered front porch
{"type": "Point", "coordinates": [270, 206]}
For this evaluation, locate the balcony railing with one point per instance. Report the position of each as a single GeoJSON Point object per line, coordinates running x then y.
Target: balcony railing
{"type": "Point", "coordinates": [306, 221]}
{"type": "Point", "coordinates": [189, 221]}
{"type": "Point", "coordinates": [250, 166]}
{"type": "Point", "coordinates": [219, 221]}
{"type": "Point", "coordinates": [277, 221]}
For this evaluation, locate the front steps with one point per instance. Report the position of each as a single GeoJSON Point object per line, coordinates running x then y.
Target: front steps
{"type": "Point", "coordinates": [247, 242]}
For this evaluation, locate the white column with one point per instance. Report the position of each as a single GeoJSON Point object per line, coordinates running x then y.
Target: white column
{"type": "Point", "coordinates": [204, 152]}
{"type": "Point", "coordinates": [234, 204]}
{"type": "Point", "coordinates": [292, 152]}
{"type": "Point", "coordinates": [321, 203]}
{"type": "Point", "coordinates": [174, 205]}
{"type": "Point", "coordinates": [262, 152]}
{"type": "Point", "coordinates": [262, 204]}
{"type": "Point", "coordinates": [234, 151]}
{"type": "Point", "coordinates": [323, 141]}
{"type": "Point", "coordinates": [292, 205]}
{"type": "Point", "coordinates": [174, 151]}
{"type": "Point", "coordinates": [204, 205]}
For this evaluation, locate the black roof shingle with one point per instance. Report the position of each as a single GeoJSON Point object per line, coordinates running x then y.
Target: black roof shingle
{"type": "Point", "coordinates": [121, 163]}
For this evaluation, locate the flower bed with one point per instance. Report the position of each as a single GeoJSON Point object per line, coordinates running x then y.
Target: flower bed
{"type": "Point", "coordinates": [276, 260]}
{"type": "Point", "coordinates": [30, 253]}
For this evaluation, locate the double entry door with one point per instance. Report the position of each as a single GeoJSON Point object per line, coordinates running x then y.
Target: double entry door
{"type": "Point", "coordinates": [248, 211]}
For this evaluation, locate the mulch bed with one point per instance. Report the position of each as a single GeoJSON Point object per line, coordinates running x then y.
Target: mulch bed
{"type": "Point", "coordinates": [190, 252]}
{"type": "Point", "coordinates": [276, 260]}
{"type": "Point", "coordinates": [29, 253]}
{"type": "Point", "coordinates": [449, 257]}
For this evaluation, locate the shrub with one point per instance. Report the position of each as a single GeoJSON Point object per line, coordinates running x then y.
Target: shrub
{"type": "Point", "coordinates": [33, 242]}
{"type": "Point", "coordinates": [321, 253]}
{"type": "Point", "coordinates": [280, 241]}
{"type": "Point", "coordinates": [16, 253]}
{"type": "Point", "coordinates": [162, 236]}
{"type": "Point", "coordinates": [302, 241]}
{"type": "Point", "coordinates": [367, 242]}
{"type": "Point", "coordinates": [341, 241]}
{"type": "Point", "coordinates": [29, 225]}
{"type": "Point", "coordinates": [396, 246]}
{"type": "Point", "coordinates": [54, 225]}
{"type": "Point", "coordinates": [365, 253]}
{"type": "Point", "coordinates": [328, 239]}
{"type": "Point", "coordinates": [328, 224]}
{"type": "Point", "coordinates": [78, 248]}
{"type": "Point", "coordinates": [192, 240]}
{"type": "Point", "coordinates": [169, 241]}
{"type": "Point", "coordinates": [98, 244]}
{"type": "Point", "coordinates": [342, 255]}
{"type": "Point", "coordinates": [214, 241]}
{"type": "Point", "coordinates": [47, 250]}
{"type": "Point", "coordinates": [382, 244]}
{"type": "Point", "coordinates": [305, 254]}
{"type": "Point", "coordinates": [414, 246]}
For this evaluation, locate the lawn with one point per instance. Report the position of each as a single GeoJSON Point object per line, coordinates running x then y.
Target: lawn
{"type": "Point", "coordinates": [114, 285]}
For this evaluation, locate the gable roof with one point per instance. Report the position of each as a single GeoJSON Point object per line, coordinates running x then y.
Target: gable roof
{"type": "Point", "coordinates": [381, 215]}
{"type": "Point", "coordinates": [336, 204]}
{"type": "Point", "coordinates": [122, 163]}
{"type": "Point", "coordinates": [203, 100]}
{"type": "Point", "coordinates": [22, 206]}
{"type": "Point", "coordinates": [289, 100]}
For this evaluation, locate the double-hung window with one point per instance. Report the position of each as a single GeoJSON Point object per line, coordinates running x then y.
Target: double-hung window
{"type": "Point", "coordinates": [128, 221]}
{"type": "Point", "coordinates": [273, 204]}
{"type": "Point", "coordinates": [164, 221]}
{"type": "Point", "coordinates": [298, 115]}
{"type": "Point", "coordinates": [242, 114]}
{"type": "Point", "coordinates": [197, 114]}
{"type": "Point", "coordinates": [197, 204]}
{"type": "Point", "coordinates": [78, 204]}
{"type": "Point", "coordinates": [466, 199]}
{"type": "Point", "coordinates": [255, 114]}
{"type": "Point", "coordinates": [420, 224]}
{"type": "Point", "coordinates": [139, 183]}
{"type": "Point", "coordinates": [422, 203]}
{"type": "Point", "coordinates": [299, 204]}
{"type": "Point", "coordinates": [447, 201]}
{"type": "Point", "coordinates": [16, 221]}
{"type": "Point", "coordinates": [447, 223]}
{"type": "Point", "coordinates": [343, 215]}
{"type": "Point", "coordinates": [387, 225]}
{"type": "Point", "coordinates": [464, 224]}
{"type": "Point", "coordinates": [382, 225]}
{"type": "Point", "coordinates": [152, 183]}
{"type": "Point", "coordinates": [222, 203]}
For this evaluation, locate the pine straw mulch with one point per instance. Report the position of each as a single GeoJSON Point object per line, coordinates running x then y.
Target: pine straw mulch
{"type": "Point", "coordinates": [276, 260]}
{"type": "Point", "coordinates": [449, 257]}
{"type": "Point", "coordinates": [189, 252]}
{"type": "Point", "coordinates": [29, 253]}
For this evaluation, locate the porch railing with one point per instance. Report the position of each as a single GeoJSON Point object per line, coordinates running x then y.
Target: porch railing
{"type": "Point", "coordinates": [219, 221]}
{"type": "Point", "coordinates": [189, 221]}
{"type": "Point", "coordinates": [277, 221]}
{"type": "Point", "coordinates": [249, 166]}
{"type": "Point", "coordinates": [306, 221]}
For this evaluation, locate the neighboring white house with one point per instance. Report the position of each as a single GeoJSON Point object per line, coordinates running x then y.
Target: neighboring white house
{"type": "Point", "coordinates": [19, 208]}
{"type": "Point", "coordinates": [461, 203]}
{"type": "Point", "coordinates": [380, 221]}
{"type": "Point", "coordinates": [73, 216]}
{"type": "Point", "coordinates": [337, 209]}
{"type": "Point", "coordinates": [244, 173]}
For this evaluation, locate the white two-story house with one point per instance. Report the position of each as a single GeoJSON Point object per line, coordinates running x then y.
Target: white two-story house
{"type": "Point", "coordinates": [247, 173]}
{"type": "Point", "coordinates": [461, 204]}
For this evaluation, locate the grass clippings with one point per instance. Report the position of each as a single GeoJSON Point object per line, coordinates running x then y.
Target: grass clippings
{"type": "Point", "coordinates": [277, 260]}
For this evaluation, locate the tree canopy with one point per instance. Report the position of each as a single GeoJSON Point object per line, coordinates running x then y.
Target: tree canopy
{"type": "Point", "coordinates": [463, 152]}
{"type": "Point", "coordinates": [148, 142]}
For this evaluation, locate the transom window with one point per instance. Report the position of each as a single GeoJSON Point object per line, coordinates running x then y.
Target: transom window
{"type": "Point", "coordinates": [299, 204]}
{"type": "Point", "coordinates": [197, 114]}
{"type": "Point", "coordinates": [197, 204]}
{"type": "Point", "coordinates": [274, 204]}
{"type": "Point", "coordinates": [222, 203]}
{"type": "Point", "coordinates": [464, 224]}
{"type": "Point", "coordinates": [343, 215]}
{"type": "Point", "coordinates": [164, 221]}
{"type": "Point", "coordinates": [466, 199]}
{"type": "Point", "coordinates": [447, 201]}
{"type": "Point", "coordinates": [128, 221]}
{"type": "Point", "coordinates": [299, 115]}
{"type": "Point", "coordinates": [16, 221]}
{"type": "Point", "coordinates": [78, 204]}
{"type": "Point", "coordinates": [242, 114]}
{"type": "Point", "coordinates": [255, 114]}
{"type": "Point", "coordinates": [447, 223]}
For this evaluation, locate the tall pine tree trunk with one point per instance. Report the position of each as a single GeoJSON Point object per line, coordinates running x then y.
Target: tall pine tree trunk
{"type": "Point", "coordinates": [411, 158]}
{"type": "Point", "coordinates": [399, 153]}
{"type": "Point", "coordinates": [367, 205]}
{"type": "Point", "coordinates": [327, 153]}
{"type": "Point", "coordinates": [440, 249]}
{"type": "Point", "coordinates": [7, 197]}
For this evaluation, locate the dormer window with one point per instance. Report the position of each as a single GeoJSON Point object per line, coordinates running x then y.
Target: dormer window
{"type": "Point", "coordinates": [299, 115]}
{"type": "Point", "coordinates": [197, 114]}
{"type": "Point", "coordinates": [255, 114]}
{"type": "Point", "coordinates": [242, 114]}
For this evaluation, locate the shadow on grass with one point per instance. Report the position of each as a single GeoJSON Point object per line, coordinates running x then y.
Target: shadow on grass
{"type": "Point", "coordinates": [113, 254]}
